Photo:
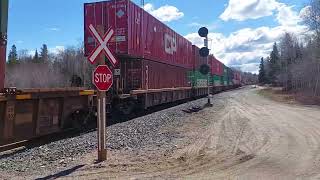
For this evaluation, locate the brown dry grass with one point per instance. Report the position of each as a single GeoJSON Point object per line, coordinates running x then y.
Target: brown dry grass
{"type": "Point", "coordinates": [277, 94]}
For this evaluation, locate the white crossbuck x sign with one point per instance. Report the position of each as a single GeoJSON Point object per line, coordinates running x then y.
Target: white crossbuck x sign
{"type": "Point", "coordinates": [103, 45]}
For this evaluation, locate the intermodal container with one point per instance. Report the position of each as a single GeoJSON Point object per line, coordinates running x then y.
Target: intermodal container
{"type": "Point", "coordinates": [216, 66]}
{"type": "Point", "coordinates": [137, 33]}
{"type": "Point", "coordinates": [236, 77]}
{"type": "Point", "coordinates": [225, 75]}
{"type": "Point", "coordinates": [230, 76]}
{"type": "Point", "coordinates": [142, 74]}
{"type": "Point", "coordinates": [216, 80]}
{"type": "Point", "coordinates": [197, 60]}
{"type": "Point", "coordinates": [197, 79]}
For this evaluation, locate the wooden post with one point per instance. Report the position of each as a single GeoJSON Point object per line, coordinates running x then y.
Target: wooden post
{"type": "Point", "coordinates": [101, 100]}
{"type": "Point", "coordinates": [4, 4]}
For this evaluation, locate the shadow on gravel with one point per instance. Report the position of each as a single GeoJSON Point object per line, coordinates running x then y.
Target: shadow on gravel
{"type": "Point", "coordinates": [62, 173]}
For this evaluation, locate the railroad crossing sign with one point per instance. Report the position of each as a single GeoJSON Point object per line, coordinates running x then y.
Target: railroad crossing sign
{"type": "Point", "coordinates": [102, 47]}
{"type": "Point", "coordinates": [102, 78]}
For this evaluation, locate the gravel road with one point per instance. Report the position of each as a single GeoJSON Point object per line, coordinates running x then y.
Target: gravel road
{"type": "Point", "coordinates": [243, 136]}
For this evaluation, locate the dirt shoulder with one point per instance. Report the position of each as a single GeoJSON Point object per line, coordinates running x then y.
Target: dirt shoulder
{"type": "Point", "coordinates": [277, 94]}
{"type": "Point", "coordinates": [244, 136]}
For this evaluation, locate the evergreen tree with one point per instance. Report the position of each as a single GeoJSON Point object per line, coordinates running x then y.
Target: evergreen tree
{"type": "Point", "coordinates": [44, 53]}
{"type": "Point", "coordinates": [36, 56]}
{"type": "Point", "coordinates": [262, 73]}
{"type": "Point", "coordinates": [13, 56]}
{"type": "Point", "coordinates": [274, 64]}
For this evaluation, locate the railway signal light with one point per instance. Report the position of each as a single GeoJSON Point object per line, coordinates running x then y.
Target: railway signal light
{"type": "Point", "coordinates": [204, 69]}
{"type": "Point", "coordinates": [204, 52]}
{"type": "Point", "coordinates": [203, 32]}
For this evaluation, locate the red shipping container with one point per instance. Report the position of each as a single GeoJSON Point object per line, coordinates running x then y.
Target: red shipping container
{"type": "Point", "coordinates": [196, 59]}
{"type": "Point", "coordinates": [216, 66]}
{"type": "Point", "coordinates": [145, 74]}
{"type": "Point", "coordinates": [137, 33]}
{"type": "Point", "coordinates": [237, 75]}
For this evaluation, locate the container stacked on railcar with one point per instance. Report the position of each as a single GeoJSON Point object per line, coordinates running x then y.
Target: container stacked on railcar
{"type": "Point", "coordinates": [216, 71]}
{"type": "Point", "coordinates": [154, 59]}
{"type": "Point", "coordinates": [157, 65]}
{"type": "Point", "coordinates": [138, 34]}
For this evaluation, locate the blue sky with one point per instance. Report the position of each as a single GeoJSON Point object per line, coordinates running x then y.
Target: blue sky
{"type": "Point", "coordinates": [241, 30]}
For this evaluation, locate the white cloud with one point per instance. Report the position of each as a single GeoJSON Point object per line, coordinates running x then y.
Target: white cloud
{"type": "Point", "coordinates": [31, 52]}
{"type": "Point", "coordinates": [305, 12]}
{"type": "Point", "coordinates": [251, 67]}
{"type": "Point", "coordinates": [211, 27]}
{"type": "Point", "coordinates": [245, 47]}
{"type": "Point", "coordinates": [287, 17]}
{"type": "Point", "coordinates": [53, 29]}
{"type": "Point", "coordinates": [56, 50]}
{"type": "Point", "coordinates": [254, 9]}
{"type": "Point", "coordinates": [249, 9]}
{"type": "Point", "coordinates": [164, 13]}
{"type": "Point", "coordinates": [195, 24]}
{"type": "Point", "coordinates": [19, 42]}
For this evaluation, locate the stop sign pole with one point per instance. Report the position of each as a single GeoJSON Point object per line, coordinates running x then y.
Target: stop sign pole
{"type": "Point", "coordinates": [102, 119]}
{"type": "Point", "coordinates": [101, 109]}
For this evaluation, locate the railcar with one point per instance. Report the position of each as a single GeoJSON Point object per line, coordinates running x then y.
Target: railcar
{"type": "Point", "coordinates": [31, 113]}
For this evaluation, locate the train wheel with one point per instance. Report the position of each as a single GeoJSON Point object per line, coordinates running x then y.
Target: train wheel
{"type": "Point", "coordinates": [82, 120]}
{"type": "Point", "coordinates": [124, 110]}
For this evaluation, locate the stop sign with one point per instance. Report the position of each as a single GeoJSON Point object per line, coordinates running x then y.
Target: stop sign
{"type": "Point", "coordinates": [102, 78]}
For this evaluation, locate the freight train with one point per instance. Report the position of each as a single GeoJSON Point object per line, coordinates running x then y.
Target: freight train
{"type": "Point", "coordinates": [157, 66]}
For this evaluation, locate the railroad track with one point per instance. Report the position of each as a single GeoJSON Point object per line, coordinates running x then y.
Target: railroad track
{"type": "Point", "coordinates": [71, 132]}
{"type": "Point", "coordinates": [8, 149]}
{"type": "Point", "coordinates": [38, 141]}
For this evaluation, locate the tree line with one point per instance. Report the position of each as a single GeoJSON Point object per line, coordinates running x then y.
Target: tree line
{"type": "Point", "coordinates": [294, 64]}
{"type": "Point", "coordinates": [47, 70]}
{"type": "Point", "coordinates": [14, 58]}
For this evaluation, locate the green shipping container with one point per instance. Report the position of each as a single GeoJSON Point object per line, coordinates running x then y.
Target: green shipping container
{"type": "Point", "coordinates": [225, 80]}
{"type": "Point", "coordinates": [197, 79]}
{"type": "Point", "coordinates": [216, 80]}
{"type": "Point", "coordinates": [4, 16]}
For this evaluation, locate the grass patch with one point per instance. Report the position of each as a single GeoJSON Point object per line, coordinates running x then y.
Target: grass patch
{"type": "Point", "coordinates": [277, 94]}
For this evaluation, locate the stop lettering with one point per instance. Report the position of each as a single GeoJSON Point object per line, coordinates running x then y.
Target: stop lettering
{"type": "Point", "coordinates": [102, 78]}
